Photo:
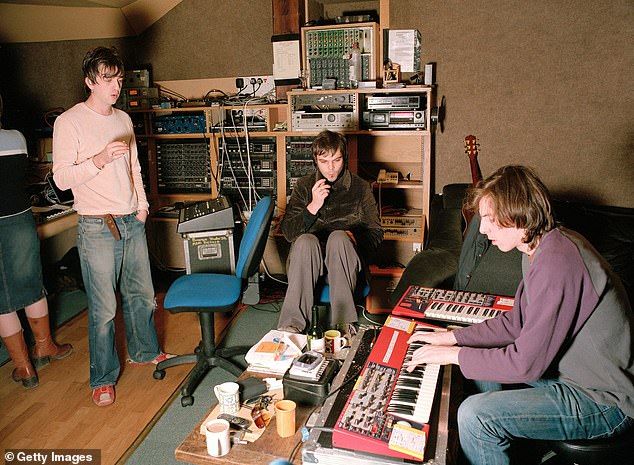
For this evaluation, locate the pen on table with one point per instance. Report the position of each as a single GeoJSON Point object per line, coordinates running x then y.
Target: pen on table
{"type": "Point", "coordinates": [374, 338]}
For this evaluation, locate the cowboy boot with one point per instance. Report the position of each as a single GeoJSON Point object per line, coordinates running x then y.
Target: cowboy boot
{"type": "Point", "coordinates": [24, 371]}
{"type": "Point", "coordinates": [45, 348]}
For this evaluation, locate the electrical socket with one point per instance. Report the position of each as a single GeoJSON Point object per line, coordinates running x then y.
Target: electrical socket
{"type": "Point", "coordinates": [263, 84]}
{"type": "Point", "coordinates": [417, 246]}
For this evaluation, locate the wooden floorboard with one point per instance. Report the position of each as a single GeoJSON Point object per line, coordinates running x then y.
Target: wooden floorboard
{"type": "Point", "coordinates": [60, 414]}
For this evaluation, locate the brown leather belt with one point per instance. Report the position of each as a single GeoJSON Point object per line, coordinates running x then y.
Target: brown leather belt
{"type": "Point", "coordinates": [112, 225]}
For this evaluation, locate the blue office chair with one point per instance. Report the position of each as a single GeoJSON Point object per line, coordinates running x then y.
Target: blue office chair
{"type": "Point", "coordinates": [208, 293]}
{"type": "Point", "coordinates": [322, 292]}
{"type": "Point", "coordinates": [361, 292]}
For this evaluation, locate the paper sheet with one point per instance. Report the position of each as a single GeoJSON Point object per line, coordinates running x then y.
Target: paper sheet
{"type": "Point", "coordinates": [404, 49]}
{"type": "Point", "coordinates": [286, 59]}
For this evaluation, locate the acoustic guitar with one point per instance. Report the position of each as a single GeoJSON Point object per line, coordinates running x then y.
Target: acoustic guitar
{"type": "Point", "coordinates": [471, 149]}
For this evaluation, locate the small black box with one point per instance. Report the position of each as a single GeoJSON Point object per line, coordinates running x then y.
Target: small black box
{"type": "Point", "coordinates": [210, 252]}
{"type": "Point", "coordinates": [309, 392]}
{"type": "Point", "coordinates": [250, 388]}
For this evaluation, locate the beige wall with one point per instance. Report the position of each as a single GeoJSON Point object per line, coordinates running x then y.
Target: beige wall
{"type": "Point", "coordinates": [544, 83]}
{"type": "Point", "coordinates": [196, 39]}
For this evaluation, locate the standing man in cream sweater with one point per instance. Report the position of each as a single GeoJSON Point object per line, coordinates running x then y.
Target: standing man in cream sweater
{"type": "Point", "coordinates": [95, 155]}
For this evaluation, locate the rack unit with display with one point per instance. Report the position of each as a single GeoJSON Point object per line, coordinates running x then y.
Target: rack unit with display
{"type": "Point", "coordinates": [193, 154]}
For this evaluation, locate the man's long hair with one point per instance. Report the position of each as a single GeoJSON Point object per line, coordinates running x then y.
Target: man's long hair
{"type": "Point", "coordinates": [518, 199]}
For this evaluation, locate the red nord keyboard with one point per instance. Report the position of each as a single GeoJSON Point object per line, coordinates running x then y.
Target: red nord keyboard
{"type": "Point", "coordinates": [459, 307]}
{"type": "Point", "coordinates": [388, 410]}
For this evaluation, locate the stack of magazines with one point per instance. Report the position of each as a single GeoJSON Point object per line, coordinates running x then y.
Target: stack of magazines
{"type": "Point", "coordinates": [275, 352]}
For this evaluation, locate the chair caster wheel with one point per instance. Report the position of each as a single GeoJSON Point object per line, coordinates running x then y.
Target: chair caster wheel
{"type": "Point", "coordinates": [158, 374]}
{"type": "Point", "coordinates": [187, 401]}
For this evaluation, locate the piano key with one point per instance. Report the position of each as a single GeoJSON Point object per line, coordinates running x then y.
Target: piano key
{"type": "Point", "coordinates": [413, 396]}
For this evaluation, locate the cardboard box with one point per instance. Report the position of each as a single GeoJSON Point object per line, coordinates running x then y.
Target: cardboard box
{"type": "Point", "coordinates": [382, 284]}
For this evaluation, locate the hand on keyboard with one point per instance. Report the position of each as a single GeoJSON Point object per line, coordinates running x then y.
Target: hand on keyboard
{"type": "Point", "coordinates": [433, 354]}
{"type": "Point", "coordinates": [439, 338]}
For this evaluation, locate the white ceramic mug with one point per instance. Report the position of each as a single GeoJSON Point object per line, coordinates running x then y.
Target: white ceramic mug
{"type": "Point", "coordinates": [217, 437]}
{"type": "Point", "coordinates": [333, 341]}
{"type": "Point", "coordinates": [228, 397]}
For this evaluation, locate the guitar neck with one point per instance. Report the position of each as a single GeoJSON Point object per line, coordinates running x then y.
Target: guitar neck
{"type": "Point", "coordinates": [471, 148]}
{"type": "Point", "coordinates": [476, 174]}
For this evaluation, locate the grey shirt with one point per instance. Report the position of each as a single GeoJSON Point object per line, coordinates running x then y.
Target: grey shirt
{"type": "Point", "coordinates": [571, 321]}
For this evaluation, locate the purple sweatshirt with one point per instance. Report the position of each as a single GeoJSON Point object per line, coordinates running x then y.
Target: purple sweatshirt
{"type": "Point", "coordinates": [571, 321]}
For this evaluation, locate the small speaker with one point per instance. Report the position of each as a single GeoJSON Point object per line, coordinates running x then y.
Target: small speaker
{"type": "Point", "coordinates": [429, 74]}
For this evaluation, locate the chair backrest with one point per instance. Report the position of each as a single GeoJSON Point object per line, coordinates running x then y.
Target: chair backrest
{"type": "Point", "coordinates": [254, 239]}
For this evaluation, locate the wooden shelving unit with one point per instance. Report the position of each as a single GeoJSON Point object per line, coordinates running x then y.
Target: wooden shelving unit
{"type": "Point", "coordinates": [406, 151]}
{"type": "Point", "coordinates": [212, 133]}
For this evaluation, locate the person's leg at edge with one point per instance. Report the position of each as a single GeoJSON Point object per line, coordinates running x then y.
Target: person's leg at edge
{"type": "Point", "coordinates": [343, 265]}
{"type": "Point", "coordinates": [305, 266]}
{"type": "Point", "coordinates": [96, 253]}
{"type": "Point", "coordinates": [137, 291]}
{"type": "Point", "coordinates": [13, 339]}
{"type": "Point", "coordinates": [488, 422]}
{"type": "Point", "coordinates": [45, 347]}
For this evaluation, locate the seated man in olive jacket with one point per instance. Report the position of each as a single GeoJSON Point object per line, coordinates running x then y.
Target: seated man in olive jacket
{"type": "Point", "coordinates": [332, 222]}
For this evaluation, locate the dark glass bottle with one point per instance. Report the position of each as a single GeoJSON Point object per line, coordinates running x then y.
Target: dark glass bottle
{"type": "Point", "coordinates": [315, 331]}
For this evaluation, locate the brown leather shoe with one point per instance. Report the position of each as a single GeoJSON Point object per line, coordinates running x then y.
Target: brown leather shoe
{"type": "Point", "coordinates": [24, 371]}
{"type": "Point", "coordinates": [45, 348]}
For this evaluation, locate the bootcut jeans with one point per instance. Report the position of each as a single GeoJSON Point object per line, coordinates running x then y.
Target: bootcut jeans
{"type": "Point", "coordinates": [108, 264]}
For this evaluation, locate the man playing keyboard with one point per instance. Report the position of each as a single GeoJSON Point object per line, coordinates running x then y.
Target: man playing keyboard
{"type": "Point", "coordinates": [567, 342]}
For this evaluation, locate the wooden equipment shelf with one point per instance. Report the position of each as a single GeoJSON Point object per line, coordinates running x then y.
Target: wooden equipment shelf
{"type": "Point", "coordinates": [406, 151]}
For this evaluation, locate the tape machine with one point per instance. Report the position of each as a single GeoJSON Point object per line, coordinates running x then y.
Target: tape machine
{"type": "Point", "coordinates": [394, 119]}
{"type": "Point", "coordinates": [318, 121]}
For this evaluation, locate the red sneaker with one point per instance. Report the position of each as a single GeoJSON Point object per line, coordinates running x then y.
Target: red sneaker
{"type": "Point", "coordinates": [162, 356]}
{"type": "Point", "coordinates": [103, 395]}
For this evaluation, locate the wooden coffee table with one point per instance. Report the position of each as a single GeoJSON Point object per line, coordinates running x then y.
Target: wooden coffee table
{"type": "Point", "coordinates": [265, 449]}
{"type": "Point", "coordinates": [269, 446]}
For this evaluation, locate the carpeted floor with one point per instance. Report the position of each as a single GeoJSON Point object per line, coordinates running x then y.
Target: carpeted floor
{"type": "Point", "coordinates": [175, 423]}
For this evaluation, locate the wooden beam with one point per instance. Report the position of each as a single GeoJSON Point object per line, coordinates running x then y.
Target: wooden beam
{"type": "Point", "coordinates": [287, 16]}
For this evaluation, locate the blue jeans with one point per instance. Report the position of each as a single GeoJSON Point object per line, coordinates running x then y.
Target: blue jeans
{"type": "Point", "coordinates": [545, 410]}
{"type": "Point", "coordinates": [108, 264]}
